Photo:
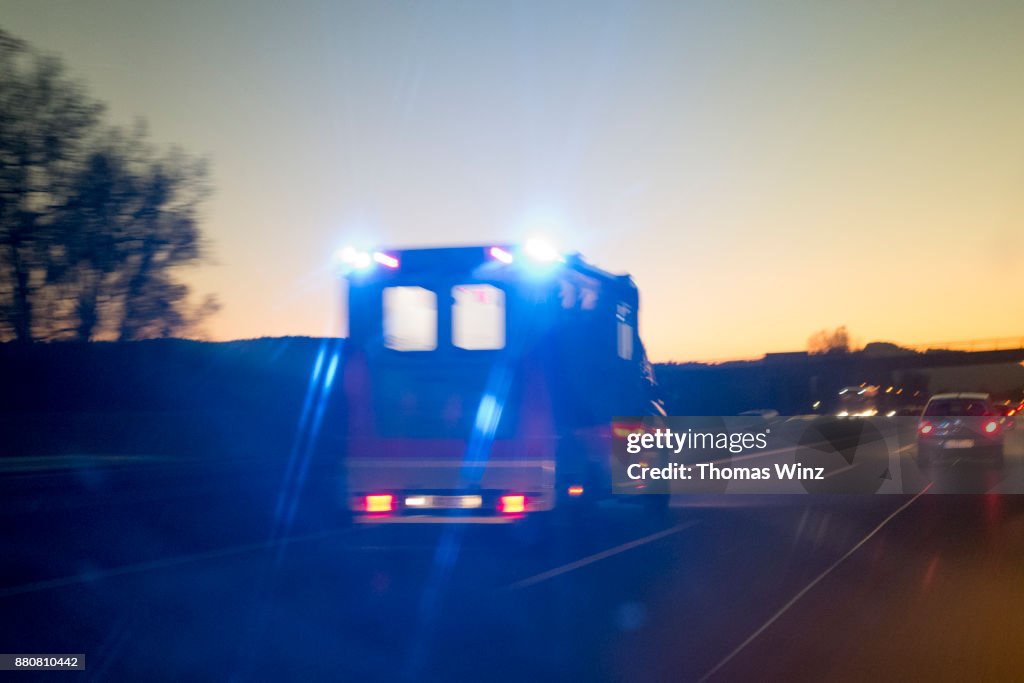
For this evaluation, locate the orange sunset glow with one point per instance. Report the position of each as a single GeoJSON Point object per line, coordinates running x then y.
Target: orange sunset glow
{"type": "Point", "coordinates": [762, 172]}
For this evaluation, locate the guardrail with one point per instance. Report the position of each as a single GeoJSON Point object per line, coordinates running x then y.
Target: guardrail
{"type": "Point", "coordinates": [990, 344]}
{"type": "Point", "coordinates": [970, 345]}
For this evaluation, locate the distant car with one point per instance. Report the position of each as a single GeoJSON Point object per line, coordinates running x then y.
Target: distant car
{"type": "Point", "coordinates": [961, 425]}
{"type": "Point", "coordinates": [1008, 411]}
{"type": "Point", "coordinates": [858, 401]}
{"type": "Point", "coordinates": [910, 411]}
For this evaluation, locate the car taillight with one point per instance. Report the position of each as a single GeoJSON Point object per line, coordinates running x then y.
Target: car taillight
{"type": "Point", "coordinates": [380, 502]}
{"type": "Point", "coordinates": [925, 428]}
{"type": "Point", "coordinates": [512, 505]}
{"type": "Point", "coordinates": [991, 427]}
{"type": "Point", "coordinates": [622, 430]}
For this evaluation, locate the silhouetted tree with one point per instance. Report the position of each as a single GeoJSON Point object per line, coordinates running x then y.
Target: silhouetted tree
{"type": "Point", "coordinates": [130, 220]}
{"type": "Point", "coordinates": [90, 228]}
{"type": "Point", "coordinates": [163, 235]}
{"type": "Point", "coordinates": [93, 221]}
{"type": "Point", "coordinates": [825, 341]}
{"type": "Point", "coordinates": [45, 119]}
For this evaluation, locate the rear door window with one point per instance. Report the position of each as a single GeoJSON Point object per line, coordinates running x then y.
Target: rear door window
{"type": "Point", "coordinates": [478, 317]}
{"type": "Point", "coordinates": [410, 319]}
{"type": "Point", "coordinates": [958, 408]}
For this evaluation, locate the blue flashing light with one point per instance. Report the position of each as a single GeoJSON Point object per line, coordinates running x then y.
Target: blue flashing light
{"type": "Point", "coordinates": [542, 252]}
{"type": "Point", "coordinates": [351, 259]}
{"type": "Point", "coordinates": [355, 258]}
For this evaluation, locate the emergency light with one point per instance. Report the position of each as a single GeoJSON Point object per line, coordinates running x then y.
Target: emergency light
{"type": "Point", "coordinates": [354, 260]}
{"type": "Point", "coordinates": [541, 251]}
{"type": "Point", "coordinates": [536, 254]}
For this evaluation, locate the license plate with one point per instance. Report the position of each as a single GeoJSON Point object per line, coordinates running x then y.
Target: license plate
{"type": "Point", "coordinates": [447, 502]}
{"type": "Point", "coordinates": [457, 501]}
{"type": "Point", "coordinates": [959, 443]}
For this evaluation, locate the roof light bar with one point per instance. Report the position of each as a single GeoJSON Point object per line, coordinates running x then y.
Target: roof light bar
{"type": "Point", "coordinates": [385, 260]}
{"type": "Point", "coordinates": [352, 259]}
{"type": "Point", "coordinates": [499, 254]}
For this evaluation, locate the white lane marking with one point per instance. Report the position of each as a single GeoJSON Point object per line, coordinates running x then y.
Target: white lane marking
{"type": "Point", "coordinates": [597, 557]}
{"type": "Point", "coordinates": [840, 470]}
{"type": "Point", "coordinates": [777, 451]}
{"type": "Point", "coordinates": [792, 601]}
{"type": "Point", "coordinates": [765, 454]}
{"type": "Point", "coordinates": [61, 582]}
{"type": "Point", "coordinates": [408, 548]}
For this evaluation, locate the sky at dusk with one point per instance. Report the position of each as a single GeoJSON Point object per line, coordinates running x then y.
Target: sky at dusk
{"type": "Point", "coordinates": [763, 170]}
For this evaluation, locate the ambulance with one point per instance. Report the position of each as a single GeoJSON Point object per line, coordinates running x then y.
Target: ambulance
{"type": "Point", "coordinates": [480, 383]}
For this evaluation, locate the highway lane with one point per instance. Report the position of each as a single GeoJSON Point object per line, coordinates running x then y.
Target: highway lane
{"type": "Point", "coordinates": [191, 583]}
{"type": "Point", "coordinates": [416, 601]}
{"type": "Point", "coordinates": [936, 595]}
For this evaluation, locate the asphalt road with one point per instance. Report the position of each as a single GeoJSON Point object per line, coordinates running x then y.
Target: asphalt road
{"type": "Point", "coordinates": [191, 571]}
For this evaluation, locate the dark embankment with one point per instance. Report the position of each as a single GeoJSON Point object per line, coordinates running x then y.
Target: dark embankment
{"type": "Point", "coordinates": [165, 397]}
